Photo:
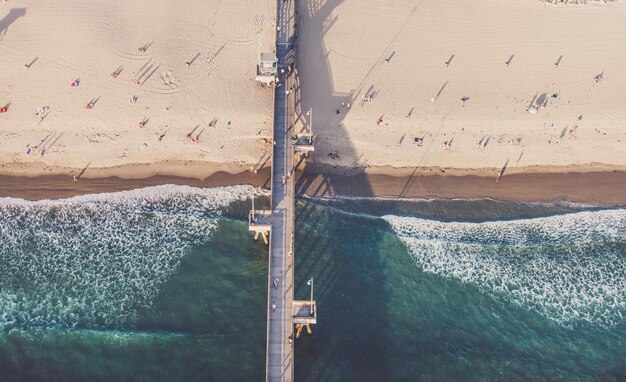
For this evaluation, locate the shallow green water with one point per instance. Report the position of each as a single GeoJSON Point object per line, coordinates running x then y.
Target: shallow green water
{"type": "Point", "coordinates": [384, 312]}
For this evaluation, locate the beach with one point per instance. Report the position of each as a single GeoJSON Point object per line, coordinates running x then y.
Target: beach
{"type": "Point", "coordinates": [462, 215]}
{"type": "Point", "coordinates": [543, 84]}
{"type": "Point", "coordinates": [90, 84]}
{"type": "Point", "coordinates": [601, 188]}
{"type": "Point", "coordinates": [423, 58]}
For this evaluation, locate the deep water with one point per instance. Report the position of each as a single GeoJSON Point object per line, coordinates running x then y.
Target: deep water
{"type": "Point", "coordinates": [166, 284]}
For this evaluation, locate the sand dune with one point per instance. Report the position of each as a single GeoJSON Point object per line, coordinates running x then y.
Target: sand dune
{"type": "Point", "coordinates": [418, 59]}
{"type": "Point", "coordinates": [87, 41]}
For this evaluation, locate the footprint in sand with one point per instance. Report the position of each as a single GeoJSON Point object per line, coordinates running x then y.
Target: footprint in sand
{"type": "Point", "coordinates": [169, 79]}
{"type": "Point", "coordinates": [99, 138]}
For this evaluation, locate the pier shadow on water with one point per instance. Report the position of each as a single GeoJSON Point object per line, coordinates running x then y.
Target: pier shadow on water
{"type": "Point", "coordinates": [217, 297]}
{"type": "Point", "coordinates": [345, 258]}
{"type": "Point", "coordinates": [382, 317]}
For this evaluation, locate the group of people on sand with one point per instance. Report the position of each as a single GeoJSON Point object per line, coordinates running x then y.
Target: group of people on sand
{"type": "Point", "coordinates": [42, 112]}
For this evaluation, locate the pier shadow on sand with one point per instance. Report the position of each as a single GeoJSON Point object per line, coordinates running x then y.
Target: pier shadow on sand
{"type": "Point", "coordinates": [317, 91]}
{"type": "Point", "coordinates": [318, 94]}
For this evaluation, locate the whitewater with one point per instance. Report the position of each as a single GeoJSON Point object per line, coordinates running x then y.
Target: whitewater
{"type": "Point", "coordinates": [97, 260]}
{"type": "Point", "coordinates": [570, 268]}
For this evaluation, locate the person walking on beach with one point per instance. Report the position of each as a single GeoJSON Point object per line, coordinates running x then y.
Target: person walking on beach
{"type": "Point", "coordinates": [599, 78]}
{"type": "Point", "coordinates": [42, 113]}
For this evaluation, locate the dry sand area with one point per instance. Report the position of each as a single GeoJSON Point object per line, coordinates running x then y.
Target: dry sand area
{"type": "Point", "coordinates": [418, 58]}
{"type": "Point", "coordinates": [88, 40]}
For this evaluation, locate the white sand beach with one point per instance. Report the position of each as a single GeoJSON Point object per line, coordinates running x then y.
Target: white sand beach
{"type": "Point", "coordinates": [88, 40]}
{"type": "Point", "coordinates": [342, 57]}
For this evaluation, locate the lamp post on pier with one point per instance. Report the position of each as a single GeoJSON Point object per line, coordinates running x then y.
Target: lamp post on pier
{"type": "Point", "coordinates": [310, 114]}
{"type": "Point", "coordinates": [310, 283]}
{"type": "Point", "coordinates": [253, 206]}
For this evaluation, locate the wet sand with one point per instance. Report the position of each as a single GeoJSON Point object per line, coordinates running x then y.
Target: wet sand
{"type": "Point", "coordinates": [595, 187]}
{"type": "Point", "coordinates": [598, 188]}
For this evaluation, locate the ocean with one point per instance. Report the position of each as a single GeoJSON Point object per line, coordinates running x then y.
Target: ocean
{"type": "Point", "coordinates": [166, 284]}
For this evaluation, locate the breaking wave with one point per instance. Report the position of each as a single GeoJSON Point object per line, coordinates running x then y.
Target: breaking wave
{"type": "Point", "coordinates": [96, 260]}
{"type": "Point", "coordinates": [570, 268]}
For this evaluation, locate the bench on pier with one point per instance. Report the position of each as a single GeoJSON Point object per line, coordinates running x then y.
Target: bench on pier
{"type": "Point", "coordinates": [304, 312]}
{"type": "Point", "coordinates": [304, 143]}
{"type": "Point", "coordinates": [260, 221]}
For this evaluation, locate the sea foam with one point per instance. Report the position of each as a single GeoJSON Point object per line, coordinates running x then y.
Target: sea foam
{"type": "Point", "coordinates": [570, 268]}
{"type": "Point", "coordinates": [96, 260]}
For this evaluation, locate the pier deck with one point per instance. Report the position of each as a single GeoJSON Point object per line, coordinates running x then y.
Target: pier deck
{"type": "Point", "coordinates": [280, 336]}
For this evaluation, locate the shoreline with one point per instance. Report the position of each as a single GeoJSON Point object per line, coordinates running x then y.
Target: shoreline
{"type": "Point", "coordinates": [597, 184]}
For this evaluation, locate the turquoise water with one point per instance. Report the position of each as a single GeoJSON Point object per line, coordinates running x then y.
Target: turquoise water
{"type": "Point", "coordinates": [166, 284]}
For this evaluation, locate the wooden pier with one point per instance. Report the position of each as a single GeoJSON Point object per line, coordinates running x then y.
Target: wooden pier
{"type": "Point", "coordinates": [278, 223]}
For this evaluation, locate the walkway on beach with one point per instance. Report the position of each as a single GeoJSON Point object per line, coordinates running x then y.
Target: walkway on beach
{"type": "Point", "coordinates": [280, 349]}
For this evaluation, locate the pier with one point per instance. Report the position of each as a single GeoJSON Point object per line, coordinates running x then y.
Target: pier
{"type": "Point", "coordinates": [277, 224]}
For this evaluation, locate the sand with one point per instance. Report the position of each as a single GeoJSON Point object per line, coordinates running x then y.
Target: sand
{"type": "Point", "coordinates": [343, 51]}
{"type": "Point", "coordinates": [89, 40]}
{"type": "Point", "coordinates": [595, 188]}
{"type": "Point", "coordinates": [416, 59]}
